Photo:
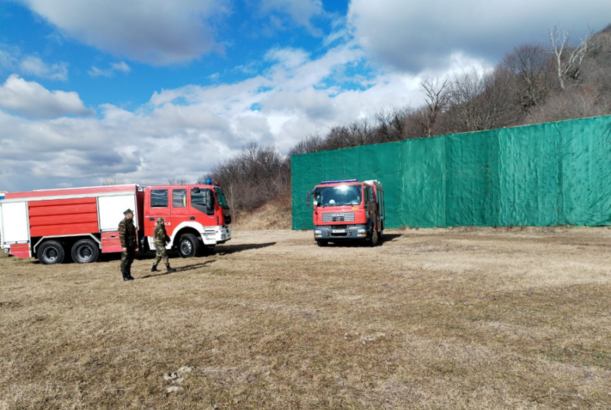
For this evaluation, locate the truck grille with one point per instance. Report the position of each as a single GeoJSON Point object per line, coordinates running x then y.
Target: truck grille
{"type": "Point", "coordinates": [338, 217]}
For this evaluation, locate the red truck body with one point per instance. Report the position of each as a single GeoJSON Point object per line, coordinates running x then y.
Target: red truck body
{"type": "Point", "coordinates": [348, 210]}
{"type": "Point", "coordinates": [83, 222]}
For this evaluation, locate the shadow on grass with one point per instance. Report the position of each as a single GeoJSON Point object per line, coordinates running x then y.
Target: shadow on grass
{"type": "Point", "coordinates": [228, 250]}
{"type": "Point", "coordinates": [356, 243]}
{"type": "Point", "coordinates": [389, 237]}
{"type": "Point", "coordinates": [181, 269]}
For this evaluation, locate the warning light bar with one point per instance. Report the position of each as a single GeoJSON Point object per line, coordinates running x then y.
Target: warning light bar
{"type": "Point", "coordinates": [338, 182]}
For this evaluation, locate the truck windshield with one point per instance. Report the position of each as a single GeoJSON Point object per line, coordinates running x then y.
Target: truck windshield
{"type": "Point", "coordinates": [220, 197]}
{"type": "Point", "coordinates": [339, 195]}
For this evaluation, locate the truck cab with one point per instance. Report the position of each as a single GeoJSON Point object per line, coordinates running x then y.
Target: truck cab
{"type": "Point", "coordinates": [348, 210]}
{"type": "Point", "coordinates": [196, 216]}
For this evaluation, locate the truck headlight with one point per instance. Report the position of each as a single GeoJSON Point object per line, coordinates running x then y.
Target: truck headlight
{"type": "Point", "coordinates": [362, 230]}
{"type": "Point", "coordinates": [317, 232]}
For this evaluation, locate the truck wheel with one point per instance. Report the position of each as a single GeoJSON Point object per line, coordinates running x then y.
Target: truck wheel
{"type": "Point", "coordinates": [51, 252]}
{"type": "Point", "coordinates": [322, 243]}
{"type": "Point", "coordinates": [373, 238]}
{"type": "Point", "coordinates": [188, 246]}
{"type": "Point", "coordinates": [85, 251]}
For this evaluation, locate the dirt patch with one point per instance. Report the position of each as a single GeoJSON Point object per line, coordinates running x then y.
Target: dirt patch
{"type": "Point", "coordinates": [475, 319]}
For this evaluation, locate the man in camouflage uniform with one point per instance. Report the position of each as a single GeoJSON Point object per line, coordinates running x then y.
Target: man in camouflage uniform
{"type": "Point", "coordinates": [161, 238]}
{"type": "Point", "coordinates": [127, 235]}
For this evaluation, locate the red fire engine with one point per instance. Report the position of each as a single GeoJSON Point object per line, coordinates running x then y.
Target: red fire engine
{"type": "Point", "coordinates": [83, 222]}
{"type": "Point", "coordinates": [348, 210]}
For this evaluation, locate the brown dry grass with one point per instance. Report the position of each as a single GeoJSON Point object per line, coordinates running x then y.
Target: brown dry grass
{"type": "Point", "coordinates": [271, 216]}
{"type": "Point", "coordinates": [433, 319]}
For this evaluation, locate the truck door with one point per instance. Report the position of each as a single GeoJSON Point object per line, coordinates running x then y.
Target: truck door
{"type": "Point", "coordinates": [370, 205]}
{"type": "Point", "coordinates": [160, 207]}
{"type": "Point", "coordinates": [179, 210]}
{"type": "Point", "coordinates": [202, 207]}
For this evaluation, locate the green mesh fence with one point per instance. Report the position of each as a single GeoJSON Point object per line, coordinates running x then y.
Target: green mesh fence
{"type": "Point", "coordinates": [538, 175]}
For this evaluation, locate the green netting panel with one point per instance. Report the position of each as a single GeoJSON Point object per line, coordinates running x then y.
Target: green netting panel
{"type": "Point", "coordinates": [586, 171]}
{"type": "Point", "coordinates": [472, 187]}
{"type": "Point", "coordinates": [530, 159]}
{"type": "Point", "coordinates": [422, 184]}
{"type": "Point", "coordinates": [541, 175]}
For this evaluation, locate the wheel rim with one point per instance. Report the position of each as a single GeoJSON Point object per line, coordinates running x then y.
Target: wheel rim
{"type": "Point", "coordinates": [84, 252]}
{"type": "Point", "coordinates": [186, 247]}
{"type": "Point", "coordinates": [51, 254]}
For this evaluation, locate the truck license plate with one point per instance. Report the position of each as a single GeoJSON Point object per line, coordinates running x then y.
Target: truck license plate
{"type": "Point", "coordinates": [338, 230]}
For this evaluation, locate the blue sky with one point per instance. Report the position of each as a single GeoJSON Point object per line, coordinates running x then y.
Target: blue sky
{"type": "Point", "coordinates": [146, 90]}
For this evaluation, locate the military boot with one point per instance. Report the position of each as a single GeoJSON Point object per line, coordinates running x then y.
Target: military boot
{"type": "Point", "coordinates": [170, 270]}
{"type": "Point", "coordinates": [127, 277]}
{"type": "Point", "coordinates": [154, 269]}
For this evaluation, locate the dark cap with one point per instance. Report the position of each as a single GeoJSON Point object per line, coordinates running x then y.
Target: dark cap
{"type": "Point", "coordinates": [129, 211]}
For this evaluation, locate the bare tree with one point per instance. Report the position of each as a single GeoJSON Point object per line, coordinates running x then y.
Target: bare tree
{"type": "Point", "coordinates": [178, 181]}
{"type": "Point", "coordinates": [436, 98]}
{"type": "Point", "coordinates": [311, 143]}
{"type": "Point", "coordinates": [531, 65]}
{"type": "Point", "coordinates": [110, 181]}
{"type": "Point", "coordinates": [568, 60]}
{"type": "Point", "coordinates": [482, 101]}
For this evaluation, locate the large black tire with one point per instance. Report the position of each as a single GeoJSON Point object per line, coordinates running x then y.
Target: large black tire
{"type": "Point", "coordinates": [189, 246]}
{"type": "Point", "coordinates": [372, 240]}
{"type": "Point", "coordinates": [322, 243]}
{"type": "Point", "coordinates": [51, 252]}
{"type": "Point", "coordinates": [85, 251]}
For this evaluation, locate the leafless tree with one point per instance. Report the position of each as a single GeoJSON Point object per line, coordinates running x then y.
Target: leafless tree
{"type": "Point", "coordinates": [110, 181]}
{"type": "Point", "coordinates": [568, 59]}
{"type": "Point", "coordinates": [311, 143]}
{"type": "Point", "coordinates": [178, 181]}
{"type": "Point", "coordinates": [532, 66]}
{"type": "Point", "coordinates": [482, 101]}
{"type": "Point", "coordinates": [436, 99]}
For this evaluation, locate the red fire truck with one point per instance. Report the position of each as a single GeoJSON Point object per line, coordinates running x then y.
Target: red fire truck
{"type": "Point", "coordinates": [83, 222]}
{"type": "Point", "coordinates": [348, 210]}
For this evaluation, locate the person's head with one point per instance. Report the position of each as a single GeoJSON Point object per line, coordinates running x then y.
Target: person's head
{"type": "Point", "coordinates": [129, 214]}
{"type": "Point", "coordinates": [160, 221]}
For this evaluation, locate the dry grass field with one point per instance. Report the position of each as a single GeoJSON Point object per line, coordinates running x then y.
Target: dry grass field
{"type": "Point", "coordinates": [433, 319]}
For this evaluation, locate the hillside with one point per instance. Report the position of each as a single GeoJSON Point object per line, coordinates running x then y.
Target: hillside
{"type": "Point", "coordinates": [533, 83]}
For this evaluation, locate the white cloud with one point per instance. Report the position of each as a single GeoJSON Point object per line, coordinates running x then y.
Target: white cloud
{"type": "Point", "coordinates": [11, 59]}
{"type": "Point", "coordinates": [301, 11]}
{"type": "Point", "coordinates": [192, 128]}
{"type": "Point", "coordinates": [415, 34]}
{"type": "Point", "coordinates": [33, 100]}
{"type": "Point", "coordinates": [110, 72]}
{"type": "Point", "coordinates": [36, 67]}
{"type": "Point", "coordinates": [151, 31]}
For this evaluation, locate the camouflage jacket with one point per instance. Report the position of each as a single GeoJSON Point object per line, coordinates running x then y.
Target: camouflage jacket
{"type": "Point", "coordinates": [161, 237]}
{"type": "Point", "coordinates": [127, 233]}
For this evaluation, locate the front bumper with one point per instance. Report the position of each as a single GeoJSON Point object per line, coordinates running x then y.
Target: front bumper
{"type": "Point", "coordinates": [216, 235]}
{"type": "Point", "coordinates": [340, 232]}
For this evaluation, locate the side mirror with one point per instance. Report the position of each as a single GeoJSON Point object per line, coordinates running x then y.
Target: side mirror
{"type": "Point", "coordinates": [315, 203]}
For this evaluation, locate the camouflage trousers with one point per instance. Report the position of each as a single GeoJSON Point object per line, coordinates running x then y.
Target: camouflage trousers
{"type": "Point", "coordinates": [161, 254]}
{"type": "Point", "coordinates": [127, 258]}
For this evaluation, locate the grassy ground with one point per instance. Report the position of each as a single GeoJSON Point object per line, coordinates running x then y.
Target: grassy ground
{"type": "Point", "coordinates": [433, 319]}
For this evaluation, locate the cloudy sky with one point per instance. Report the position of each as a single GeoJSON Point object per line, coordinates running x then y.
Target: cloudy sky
{"type": "Point", "coordinates": [146, 90]}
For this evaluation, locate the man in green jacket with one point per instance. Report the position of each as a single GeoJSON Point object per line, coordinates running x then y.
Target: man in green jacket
{"type": "Point", "coordinates": [161, 238]}
{"type": "Point", "coordinates": [128, 237]}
